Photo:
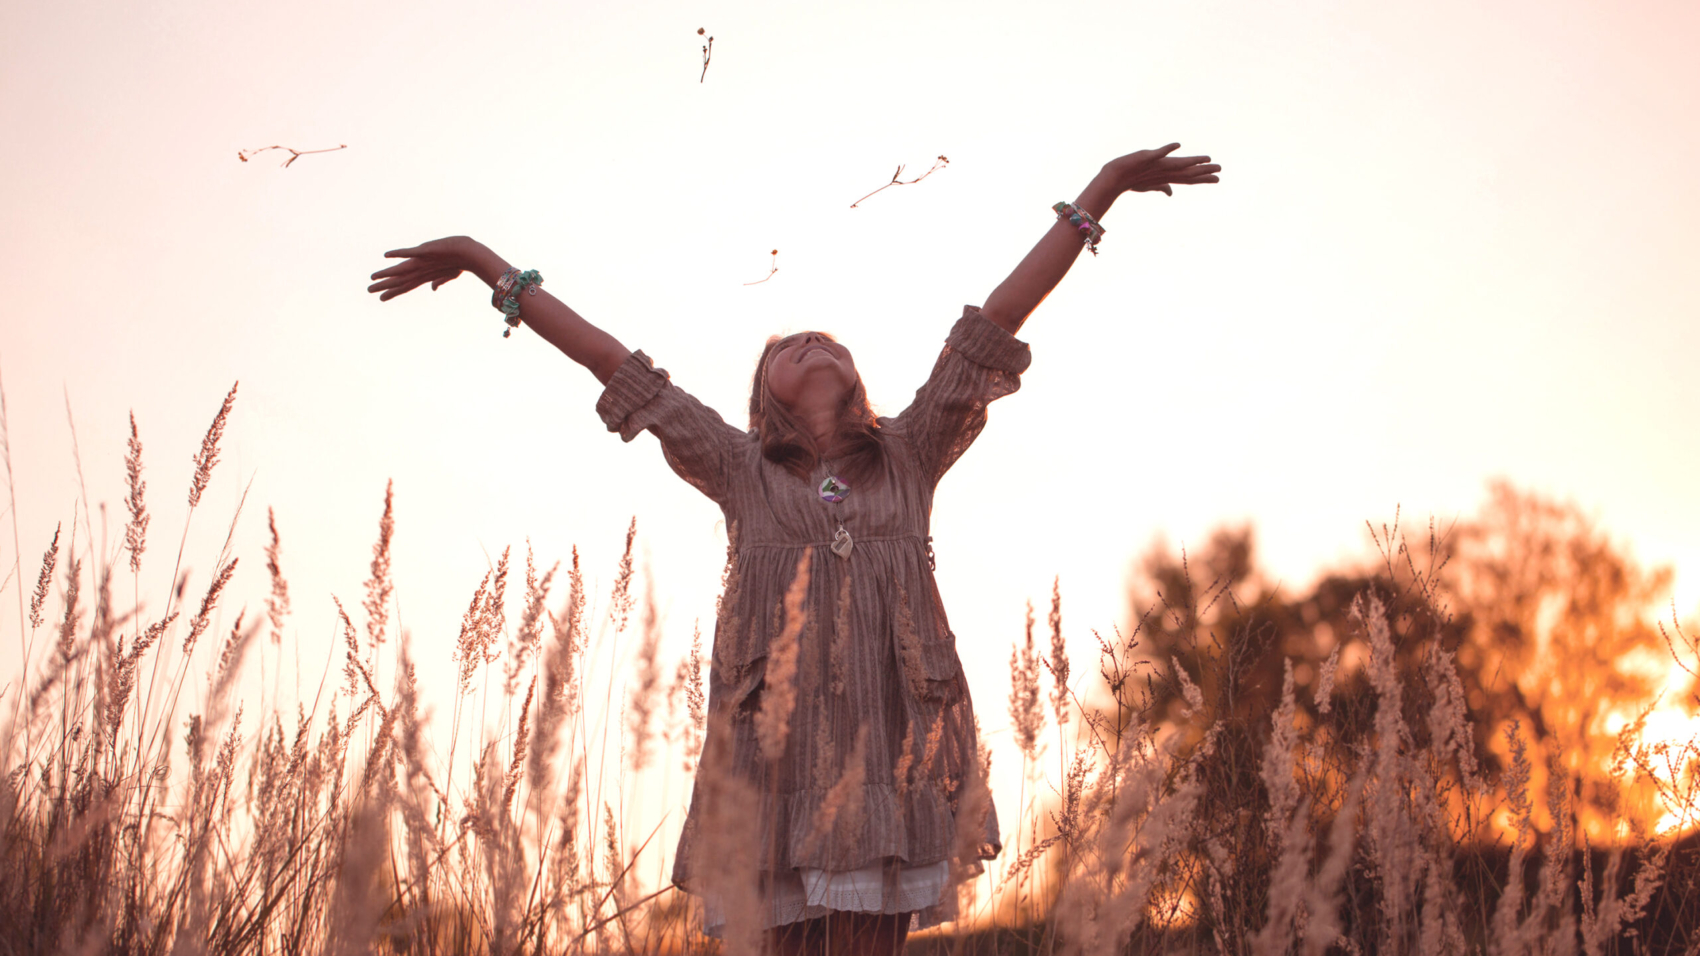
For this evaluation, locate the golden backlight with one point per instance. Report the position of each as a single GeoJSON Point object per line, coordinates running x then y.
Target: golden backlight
{"type": "Point", "coordinates": [1454, 241]}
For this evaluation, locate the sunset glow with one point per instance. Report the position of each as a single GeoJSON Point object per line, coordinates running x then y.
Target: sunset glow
{"type": "Point", "coordinates": [1453, 242]}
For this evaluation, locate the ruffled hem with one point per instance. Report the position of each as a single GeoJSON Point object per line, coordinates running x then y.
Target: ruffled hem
{"type": "Point", "coordinates": [916, 825]}
{"type": "Point", "coordinates": [917, 828]}
{"type": "Point", "coordinates": [921, 891]}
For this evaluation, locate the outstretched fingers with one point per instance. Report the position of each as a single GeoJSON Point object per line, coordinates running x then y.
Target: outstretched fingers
{"type": "Point", "coordinates": [397, 283]}
{"type": "Point", "coordinates": [1155, 170]}
{"type": "Point", "coordinates": [412, 262]}
{"type": "Point", "coordinates": [394, 291]}
{"type": "Point", "coordinates": [1186, 162]}
{"type": "Point", "coordinates": [1190, 170]}
{"type": "Point", "coordinates": [390, 288]}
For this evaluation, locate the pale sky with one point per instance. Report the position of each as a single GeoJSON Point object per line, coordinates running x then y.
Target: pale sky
{"type": "Point", "coordinates": [1452, 240]}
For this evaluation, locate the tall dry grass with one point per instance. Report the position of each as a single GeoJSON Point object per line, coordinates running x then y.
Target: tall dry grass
{"type": "Point", "coordinates": [1365, 821]}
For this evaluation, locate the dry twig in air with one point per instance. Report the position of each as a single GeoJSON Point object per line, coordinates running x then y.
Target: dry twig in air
{"type": "Point", "coordinates": [770, 272]}
{"type": "Point", "coordinates": [294, 154]}
{"type": "Point", "coordinates": [707, 51]}
{"type": "Point", "coordinates": [897, 180]}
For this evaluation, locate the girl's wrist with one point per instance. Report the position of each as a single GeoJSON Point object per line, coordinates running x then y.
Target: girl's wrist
{"type": "Point", "coordinates": [1099, 194]}
{"type": "Point", "coordinates": [486, 265]}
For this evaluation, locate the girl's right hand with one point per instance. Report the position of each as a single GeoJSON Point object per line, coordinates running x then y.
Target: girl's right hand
{"type": "Point", "coordinates": [436, 262]}
{"type": "Point", "coordinates": [1154, 170]}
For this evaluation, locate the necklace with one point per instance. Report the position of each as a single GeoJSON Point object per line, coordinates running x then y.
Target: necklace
{"type": "Point", "coordinates": [834, 490]}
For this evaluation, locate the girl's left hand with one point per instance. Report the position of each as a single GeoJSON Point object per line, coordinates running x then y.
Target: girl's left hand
{"type": "Point", "coordinates": [436, 262]}
{"type": "Point", "coordinates": [1154, 170]}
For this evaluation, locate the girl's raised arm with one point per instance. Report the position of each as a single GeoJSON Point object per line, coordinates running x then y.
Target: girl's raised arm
{"type": "Point", "coordinates": [1148, 170]}
{"type": "Point", "coordinates": [441, 260]}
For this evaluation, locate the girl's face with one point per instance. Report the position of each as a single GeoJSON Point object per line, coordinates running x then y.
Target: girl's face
{"type": "Point", "coordinates": [809, 368]}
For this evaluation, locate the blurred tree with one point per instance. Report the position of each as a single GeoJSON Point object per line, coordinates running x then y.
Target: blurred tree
{"type": "Point", "coordinates": [1561, 629]}
{"type": "Point", "coordinates": [1548, 619]}
{"type": "Point", "coordinates": [1214, 615]}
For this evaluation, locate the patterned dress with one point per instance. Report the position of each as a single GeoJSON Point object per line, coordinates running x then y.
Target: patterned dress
{"type": "Point", "coordinates": [870, 796]}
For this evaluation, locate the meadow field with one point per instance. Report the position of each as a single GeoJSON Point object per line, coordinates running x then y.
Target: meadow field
{"type": "Point", "coordinates": [1445, 750]}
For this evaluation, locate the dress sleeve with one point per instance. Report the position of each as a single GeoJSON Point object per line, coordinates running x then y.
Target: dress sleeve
{"type": "Point", "coordinates": [980, 364]}
{"type": "Point", "coordinates": [699, 445]}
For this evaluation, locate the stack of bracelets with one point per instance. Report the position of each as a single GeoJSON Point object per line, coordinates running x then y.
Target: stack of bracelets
{"type": "Point", "coordinates": [1090, 231]}
{"type": "Point", "coordinates": [506, 295]}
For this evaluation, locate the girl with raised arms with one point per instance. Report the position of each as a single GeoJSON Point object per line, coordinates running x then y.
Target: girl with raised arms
{"type": "Point", "coordinates": [858, 786]}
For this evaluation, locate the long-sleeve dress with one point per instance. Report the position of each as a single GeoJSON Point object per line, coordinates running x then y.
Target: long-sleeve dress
{"type": "Point", "coordinates": [874, 797]}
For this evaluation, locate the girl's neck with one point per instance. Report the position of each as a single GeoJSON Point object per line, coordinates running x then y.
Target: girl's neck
{"type": "Point", "coordinates": [821, 425]}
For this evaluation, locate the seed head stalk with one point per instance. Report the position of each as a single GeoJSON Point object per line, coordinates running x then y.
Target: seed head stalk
{"type": "Point", "coordinates": [24, 635]}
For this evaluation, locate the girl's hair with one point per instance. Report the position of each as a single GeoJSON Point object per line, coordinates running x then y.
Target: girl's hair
{"type": "Point", "coordinates": [785, 442]}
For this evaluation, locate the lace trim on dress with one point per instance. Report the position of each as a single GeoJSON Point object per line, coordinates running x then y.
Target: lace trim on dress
{"type": "Point", "coordinates": [811, 894]}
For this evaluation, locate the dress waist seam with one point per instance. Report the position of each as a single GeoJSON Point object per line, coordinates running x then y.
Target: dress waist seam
{"type": "Point", "coordinates": [827, 543]}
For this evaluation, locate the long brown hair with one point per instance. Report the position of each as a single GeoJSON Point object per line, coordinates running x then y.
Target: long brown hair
{"type": "Point", "coordinates": [785, 442]}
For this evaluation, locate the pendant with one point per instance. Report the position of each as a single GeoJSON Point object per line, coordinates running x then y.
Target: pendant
{"type": "Point", "coordinates": [834, 489]}
{"type": "Point", "coordinates": [841, 543]}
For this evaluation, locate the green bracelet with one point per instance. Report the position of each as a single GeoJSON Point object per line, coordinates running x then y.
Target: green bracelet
{"type": "Point", "coordinates": [528, 282]}
{"type": "Point", "coordinates": [1080, 219]}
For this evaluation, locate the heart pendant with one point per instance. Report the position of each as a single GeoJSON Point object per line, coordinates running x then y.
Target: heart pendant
{"type": "Point", "coordinates": [841, 543]}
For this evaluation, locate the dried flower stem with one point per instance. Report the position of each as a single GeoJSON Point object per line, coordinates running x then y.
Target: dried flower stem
{"type": "Point", "coordinates": [707, 52]}
{"type": "Point", "coordinates": [770, 272]}
{"type": "Point", "coordinates": [898, 180]}
{"type": "Point", "coordinates": [294, 154]}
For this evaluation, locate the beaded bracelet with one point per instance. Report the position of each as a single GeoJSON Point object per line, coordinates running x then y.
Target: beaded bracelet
{"type": "Point", "coordinates": [1082, 220]}
{"type": "Point", "coordinates": [506, 294]}
{"type": "Point", "coordinates": [504, 284]}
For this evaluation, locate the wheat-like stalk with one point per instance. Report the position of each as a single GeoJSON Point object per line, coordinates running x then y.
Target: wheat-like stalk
{"type": "Point", "coordinates": [136, 531]}
{"type": "Point", "coordinates": [379, 587]}
{"type": "Point", "coordinates": [640, 700]}
{"type": "Point", "coordinates": [1026, 708]}
{"type": "Point", "coordinates": [277, 602]}
{"type": "Point", "coordinates": [207, 457]}
{"type": "Point", "coordinates": [779, 690]}
{"type": "Point", "coordinates": [44, 580]}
